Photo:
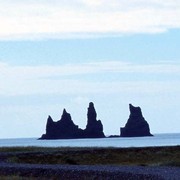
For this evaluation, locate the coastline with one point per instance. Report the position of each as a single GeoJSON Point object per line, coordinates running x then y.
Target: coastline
{"type": "Point", "coordinates": [170, 139]}
{"type": "Point", "coordinates": [106, 163]}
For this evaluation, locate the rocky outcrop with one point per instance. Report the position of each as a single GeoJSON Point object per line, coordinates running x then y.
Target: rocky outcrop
{"type": "Point", "coordinates": [136, 125]}
{"type": "Point", "coordinates": [62, 129]}
{"type": "Point", "coordinates": [94, 127]}
{"type": "Point", "coordinates": [66, 129]}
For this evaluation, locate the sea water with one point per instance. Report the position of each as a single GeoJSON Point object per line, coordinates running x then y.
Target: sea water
{"type": "Point", "coordinates": [156, 140]}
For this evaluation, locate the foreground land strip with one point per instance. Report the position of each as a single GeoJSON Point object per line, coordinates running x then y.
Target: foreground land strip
{"type": "Point", "coordinates": [94, 163]}
{"type": "Point", "coordinates": [89, 172]}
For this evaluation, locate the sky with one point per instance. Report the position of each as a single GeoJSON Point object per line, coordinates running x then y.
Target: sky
{"type": "Point", "coordinates": [57, 54]}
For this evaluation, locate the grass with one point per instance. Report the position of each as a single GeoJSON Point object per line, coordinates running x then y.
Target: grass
{"type": "Point", "coordinates": [149, 156]}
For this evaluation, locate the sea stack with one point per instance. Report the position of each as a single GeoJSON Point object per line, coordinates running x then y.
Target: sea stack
{"type": "Point", "coordinates": [136, 125]}
{"type": "Point", "coordinates": [62, 129]}
{"type": "Point", "coordinates": [94, 128]}
{"type": "Point", "coordinates": [66, 129]}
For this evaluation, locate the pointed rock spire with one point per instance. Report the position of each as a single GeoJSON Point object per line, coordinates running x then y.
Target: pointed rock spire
{"type": "Point", "coordinates": [49, 120]}
{"type": "Point", "coordinates": [94, 128]}
{"type": "Point", "coordinates": [66, 117]}
{"type": "Point", "coordinates": [91, 114]}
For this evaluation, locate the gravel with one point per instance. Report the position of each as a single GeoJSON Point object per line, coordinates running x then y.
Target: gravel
{"type": "Point", "coordinates": [90, 172]}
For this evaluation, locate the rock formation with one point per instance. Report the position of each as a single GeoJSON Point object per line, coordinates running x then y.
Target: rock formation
{"type": "Point", "coordinates": [62, 129]}
{"type": "Point", "coordinates": [136, 125]}
{"type": "Point", "coordinates": [94, 128]}
{"type": "Point", "coordinates": [66, 129]}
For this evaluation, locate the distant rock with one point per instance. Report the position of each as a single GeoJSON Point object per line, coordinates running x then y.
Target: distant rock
{"type": "Point", "coordinates": [66, 129]}
{"type": "Point", "coordinates": [62, 129]}
{"type": "Point", "coordinates": [114, 136]}
{"type": "Point", "coordinates": [94, 128]}
{"type": "Point", "coordinates": [136, 125]}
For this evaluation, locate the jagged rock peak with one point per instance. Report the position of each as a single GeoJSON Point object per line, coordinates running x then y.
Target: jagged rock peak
{"type": "Point", "coordinates": [66, 129]}
{"type": "Point", "coordinates": [136, 125]}
{"type": "Point", "coordinates": [135, 111]}
{"type": "Point", "coordinates": [49, 119]}
{"type": "Point", "coordinates": [64, 111]}
{"type": "Point", "coordinates": [65, 116]}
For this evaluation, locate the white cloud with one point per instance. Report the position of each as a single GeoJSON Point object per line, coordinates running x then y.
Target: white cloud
{"type": "Point", "coordinates": [47, 71]}
{"type": "Point", "coordinates": [23, 80]}
{"type": "Point", "coordinates": [62, 19]}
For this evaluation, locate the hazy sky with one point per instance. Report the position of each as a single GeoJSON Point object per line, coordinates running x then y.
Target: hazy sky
{"type": "Point", "coordinates": [57, 54]}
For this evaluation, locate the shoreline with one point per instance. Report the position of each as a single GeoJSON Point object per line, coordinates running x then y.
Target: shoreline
{"type": "Point", "coordinates": [157, 140]}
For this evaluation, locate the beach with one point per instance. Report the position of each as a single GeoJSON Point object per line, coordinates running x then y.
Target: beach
{"type": "Point", "coordinates": [90, 163]}
{"type": "Point", "coordinates": [88, 172]}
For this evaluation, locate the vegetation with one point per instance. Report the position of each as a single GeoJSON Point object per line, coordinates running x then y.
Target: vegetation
{"type": "Point", "coordinates": [149, 156]}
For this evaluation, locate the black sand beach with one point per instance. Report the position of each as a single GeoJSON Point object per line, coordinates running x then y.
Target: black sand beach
{"type": "Point", "coordinates": [105, 163]}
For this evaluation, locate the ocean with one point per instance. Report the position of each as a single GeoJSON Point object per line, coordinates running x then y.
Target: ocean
{"type": "Point", "coordinates": [156, 140]}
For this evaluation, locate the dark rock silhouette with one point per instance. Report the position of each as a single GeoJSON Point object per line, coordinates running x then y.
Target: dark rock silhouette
{"type": "Point", "coordinates": [94, 128]}
{"type": "Point", "coordinates": [66, 129]}
{"type": "Point", "coordinates": [136, 125]}
{"type": "Point", "coordinates": [62, 129]}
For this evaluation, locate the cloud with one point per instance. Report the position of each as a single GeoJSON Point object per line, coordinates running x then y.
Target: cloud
{"type": "Point", "coordinates": [78, 18]}
{"type": "Point", "coordinates": [65, 70]}
{"type": "Point", "coordinates": [77, 78]}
